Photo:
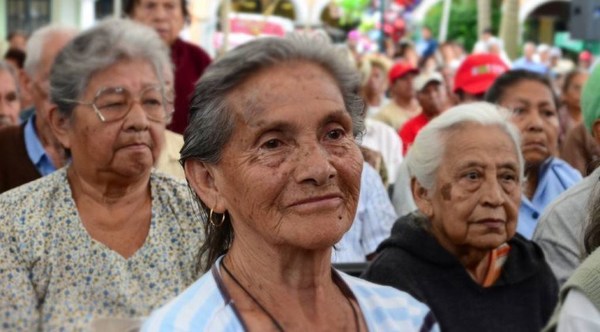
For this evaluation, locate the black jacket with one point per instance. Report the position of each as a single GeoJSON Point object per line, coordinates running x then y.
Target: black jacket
{"type": "Point", "coordinates": [522, 299]}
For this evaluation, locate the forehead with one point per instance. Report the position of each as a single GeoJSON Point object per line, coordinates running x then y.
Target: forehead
{"type": "Point", "coordinates": [528, 90]}
{"type": "Point", "coordinates": [289, 84]}
{"type": "Point", "coordinates": [7, 80]}
{"type": "Point", "coordinates": [158, 2]}
{"type": "Point", "coordinates": [128, 73]}
{"type": "Point", "coordinates": [481, 143]}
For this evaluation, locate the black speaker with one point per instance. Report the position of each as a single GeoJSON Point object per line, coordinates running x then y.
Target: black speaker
{"type": "Point", "coordinates": [584, 20]}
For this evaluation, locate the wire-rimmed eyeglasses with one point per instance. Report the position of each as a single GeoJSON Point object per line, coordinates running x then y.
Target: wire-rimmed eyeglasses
{"type": "Point", "coordinates": [114, 103]}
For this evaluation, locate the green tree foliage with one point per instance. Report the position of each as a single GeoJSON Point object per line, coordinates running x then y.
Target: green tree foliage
{"type": "Point", "coordinates": [463, 21]}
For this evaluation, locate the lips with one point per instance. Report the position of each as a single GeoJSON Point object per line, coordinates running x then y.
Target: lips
{"type": "Point", "coordinates": [492, 223]}
{"type": "Point", "coordinates": [318, 203]}
{"type": "Point", "coordinates": [538, 145]}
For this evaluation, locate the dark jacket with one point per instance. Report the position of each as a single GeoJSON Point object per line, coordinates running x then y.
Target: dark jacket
{"type": "Point", "coordinates": [522, 299]}
{"type": "Point", "coordinates": [15, 166]}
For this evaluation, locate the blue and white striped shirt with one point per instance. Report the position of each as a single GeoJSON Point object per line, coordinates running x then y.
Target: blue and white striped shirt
{"type": "Point", "coordinates": [205, 307]}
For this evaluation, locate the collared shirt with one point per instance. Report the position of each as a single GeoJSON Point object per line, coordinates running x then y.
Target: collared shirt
{"type": "Point", "coordinates": [555, 177]}
{"type": "Point", "coordinates": [382, 138]}
{"type": "Point", "coordinates": [35, 150]}
{"type": "Point", "coordinates": [372, 224]}
{"type": "Point", "coordinates": [206, 306]}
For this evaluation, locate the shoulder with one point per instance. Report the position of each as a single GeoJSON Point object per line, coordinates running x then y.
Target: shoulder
{"type": "Point", "coordinates": [565, 172]}
{"type": "Point", "coordinates": [386, 305]}
{"type": "Point", "coordinates": [192, 310]}
{"type": "Point", "coordinates": [174, 196]}
{"type": "Point", "coordinates": [35, 194]}
{"type": "Point", "coordinates": [193, 50]}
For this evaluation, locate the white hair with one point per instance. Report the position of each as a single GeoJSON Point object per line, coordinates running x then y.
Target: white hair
{"type": "Point", "coordinates": [37, 42]}
{"type": "Point", "coordinates": [425, 155]}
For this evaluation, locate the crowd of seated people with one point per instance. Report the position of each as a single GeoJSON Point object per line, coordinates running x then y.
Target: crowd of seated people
{"type": "Point", "coordinates": [287, 186]}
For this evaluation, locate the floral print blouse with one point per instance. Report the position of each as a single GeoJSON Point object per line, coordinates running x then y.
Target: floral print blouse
{"type": "Point", "coordinates": [55, 277]}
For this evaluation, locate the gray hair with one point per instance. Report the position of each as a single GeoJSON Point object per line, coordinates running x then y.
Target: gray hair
{"type": "Point", "coordinates": [37, 42]}
{"type": "Point", "coordinates": [98, 48]}
{"type": "Point", "coordinates": [425, 155]}
{"type": "Point", "coordinates": [211, 111]}
{"type": "Point", "coordinates": [7, 67]}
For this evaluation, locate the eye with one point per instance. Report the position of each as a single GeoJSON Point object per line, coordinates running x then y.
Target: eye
{"type": "Point", "coordinates": [518, 110]}
{"type": "Point", "coordinates": [472, 175]}
{"type": "Point", "coordinates": [272, 144]}
{"type": "Point", "coordinates": [548, 113]}
{"type": "Point", "coordinates": [509, 177]}
{"type": "Point", "coordinates": [152, 102]}
{"type": "Point", "coordinates": [335, 134]}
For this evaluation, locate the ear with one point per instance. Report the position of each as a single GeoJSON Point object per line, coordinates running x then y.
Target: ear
{"type": "Point", "coordinates": [421, 197]}
{"type": "Point", "coordinates": [201, 178]}
{"type": "Point", "coordinates": [596, 130]}
{"type": "Point", "coordinates": [61, 126]}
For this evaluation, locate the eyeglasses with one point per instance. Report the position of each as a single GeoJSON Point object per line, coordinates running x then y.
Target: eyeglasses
{"type": "Point", "coordinates": [114, 103]}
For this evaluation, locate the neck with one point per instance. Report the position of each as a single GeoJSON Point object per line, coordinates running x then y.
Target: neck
{"type": "Point", "coordinates": [575, 113]}
{"type": "Point", "coordinates": [406, 103]}
{"type": "Point", "coordinates": [107, 190]}
{"type": "Point", "coordinates": [532, 173]}
{"type": "Point", "coordinates": [289, 268]}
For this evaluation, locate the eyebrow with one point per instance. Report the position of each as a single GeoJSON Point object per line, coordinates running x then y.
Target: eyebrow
{"type": "Point", "coordinates": [510, 165]}
{"type": "Point", "coordinates": [284, 126]}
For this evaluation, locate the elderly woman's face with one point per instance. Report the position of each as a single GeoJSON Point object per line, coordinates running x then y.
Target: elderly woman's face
{"type": "Point", "coordinates": [535, 114]}
{"type": "Point", "coordinates": [165, 16]}
{"type": "Point", "coordinates": [128, 146]}
{"type": "Point", "coordinates": [477, 192]}
{"type": "Point", "coordinates": [290, 174]}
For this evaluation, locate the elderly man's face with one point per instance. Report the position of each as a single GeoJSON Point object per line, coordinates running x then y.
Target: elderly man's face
{"type": "Point", "coordinates": [536, 116]}
{"type": "Point", "coordinates": [10, 104]}
{"type": "Point", "coordinates": [290, 174]}
{"type": "Point", "coordinates": [475, 201]}
{"type": "Point", "coordinates": [165, 16]}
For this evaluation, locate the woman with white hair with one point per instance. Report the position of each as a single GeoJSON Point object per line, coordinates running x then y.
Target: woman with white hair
{"type": "Point", "coordinates": [459, 253]}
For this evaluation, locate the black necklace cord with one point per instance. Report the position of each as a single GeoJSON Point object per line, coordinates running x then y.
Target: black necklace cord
{"type": "Point", "coordinates": [271, 317]}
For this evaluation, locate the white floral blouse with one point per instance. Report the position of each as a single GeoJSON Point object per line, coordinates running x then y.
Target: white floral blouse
{"type": "Point", "coordinates": [55, 277]}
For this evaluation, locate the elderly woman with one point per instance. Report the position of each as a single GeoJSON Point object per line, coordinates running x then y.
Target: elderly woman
{"type": "Point", "coordinates": [271, 155]}
{"type": "Point", "coordinates": [531, 99]}
{"type": "Point", "coordinates": [459, 253]}
{"type": "Point", "coordinates": [10, 104]}
{"type": "Point", "coordinates": [106, 235]}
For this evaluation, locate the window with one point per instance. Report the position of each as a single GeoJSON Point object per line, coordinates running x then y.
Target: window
{"type": "Point", "coordinates": [27, 15]}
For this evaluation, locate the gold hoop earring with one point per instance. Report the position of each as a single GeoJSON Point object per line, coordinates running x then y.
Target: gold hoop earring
{"type": "Point", "coordinates": [210, 219]}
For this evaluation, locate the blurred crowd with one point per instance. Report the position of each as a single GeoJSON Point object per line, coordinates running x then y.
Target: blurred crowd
{"type": "Point", "coordinates": [141, 178]}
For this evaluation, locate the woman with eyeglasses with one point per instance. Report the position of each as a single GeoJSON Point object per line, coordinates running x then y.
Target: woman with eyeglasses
{"type": "Point", "coordinates": [105, 236]}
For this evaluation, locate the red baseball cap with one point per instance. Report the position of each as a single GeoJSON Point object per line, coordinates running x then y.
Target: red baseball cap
{"type": "Point", "coordinates": [585, 56]}
{"type": "Point", "coordinates": [400, 69]}
{"type": "Point", "coordinates": [478, 72]}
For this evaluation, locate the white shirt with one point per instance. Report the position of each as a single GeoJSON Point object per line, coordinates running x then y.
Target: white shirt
{"type": "Point", "coordinates": [385, 140]}
{"type": "Point", "coordinates": [372, 224]}
{"type": "Point", "coordinates": [578, 314]}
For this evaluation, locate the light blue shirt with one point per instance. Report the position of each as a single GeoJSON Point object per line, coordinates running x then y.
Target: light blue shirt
{"type": "Point", "coordinates": [536, 67]}
{"type": "Point", "coordinates": [555, 177]}
{"type": "Point", "coordinates": [372, 224]}
{"type": "Point", "coordinates": [205, 306]}
{"type": "Point", "coordinates": [35, 150]}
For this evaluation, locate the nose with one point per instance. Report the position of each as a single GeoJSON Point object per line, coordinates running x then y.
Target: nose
{"type": "Point", "coordinates": [136, 119]}
{"type": "Point", "coordinates": [313, 165]}
{"type": "Point", "coordinates": [534, 121]}
{"type": "Point", "coordinates": [493, 194]}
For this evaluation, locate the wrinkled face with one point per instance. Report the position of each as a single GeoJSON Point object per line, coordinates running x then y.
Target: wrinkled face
{"type": "Point", "coordinates": [290, 174]}
{"type": "Point", "coordinates": [433, 98]}
{"type": "Point", "coordinates": [165, 16]}
{"type": "Point", "coordinates": [476, 197]}
{"type": "Point", "coordinates": [403, 86]}
{"type": "Point", "coordinates": [535, 114]}
{"type": "Point", "coordinates": [572, 94]}
{"type": "Point", "coordinates": [10, 105]}
{"type": "Point", "coordinates": [127, 147]}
